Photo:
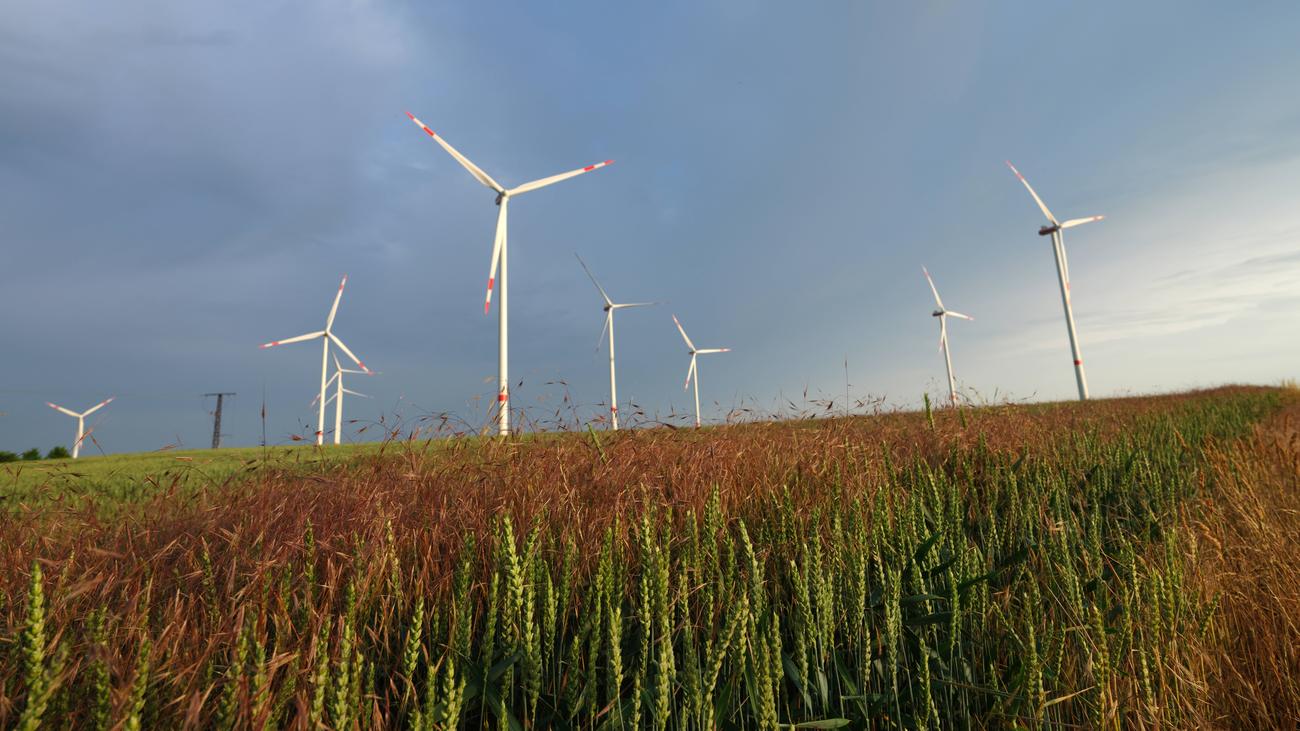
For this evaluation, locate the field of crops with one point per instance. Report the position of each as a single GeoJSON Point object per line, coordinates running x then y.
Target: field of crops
{"type": "Point", "coordinates": [1110, 564]}
{"type": "Point", "coordinates": [116, 480]}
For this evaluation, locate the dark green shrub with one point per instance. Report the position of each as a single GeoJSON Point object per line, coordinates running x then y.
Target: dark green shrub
{"type": "Point", "coordinates": [8, 457]}
{"type": "Point", "coordinates": [32, 454]}
{"type": "Point", "coordinates": [59, 452]}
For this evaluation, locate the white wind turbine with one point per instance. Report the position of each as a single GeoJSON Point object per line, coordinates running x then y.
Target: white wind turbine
{"type": "Point", "coordinates": [692, 372]}
{"type": "Point", "coordinates": [943, 314]}
{"type": "Point", "coordinates": [337, 398]}
{"type": "Point", "coordinates": [500, 250]}
{"type": "Point", "coordinates": [81, 420]}
{"type": "Point", "coordinates": [327, 336]}
{"type": "Point", "coordinates": [1062, 274]}
{"type": "Point", "coordinates": [610, 306]}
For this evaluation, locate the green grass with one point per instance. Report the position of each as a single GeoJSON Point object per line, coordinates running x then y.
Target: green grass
{"type": "Point", "coordinates": [118, 480]}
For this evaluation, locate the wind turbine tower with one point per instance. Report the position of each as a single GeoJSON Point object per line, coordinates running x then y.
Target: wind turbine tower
{"type": "Point", "coordinates": [1055, 229]}
{"type": "Point", "coordinates": [943, 314]}
{"type": "Point", "coordinates": [692, 373]}
{"type": "Point", "coordinates": [500, 251]}
{"type": "Point", "coordinates": [326, 336]}
{"type": "Point", "coordinates": [610, 307]}
{"type": "Point", "coordinates": [81, 421]}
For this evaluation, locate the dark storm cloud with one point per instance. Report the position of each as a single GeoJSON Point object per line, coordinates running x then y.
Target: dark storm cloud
{"type": "Point", "coordinates": [160, 137]}
{"type": "Point", "coordinates": [182, 181]}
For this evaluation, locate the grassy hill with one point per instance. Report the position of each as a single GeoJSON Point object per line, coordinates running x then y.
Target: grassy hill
{"type": "Point", "coordinates": [128, 478]}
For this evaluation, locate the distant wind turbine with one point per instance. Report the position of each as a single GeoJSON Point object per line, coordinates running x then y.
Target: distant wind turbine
{"type": "Point", "coordinates": [337, 398]}
{"type": "Point", "coordinates": [1062, 274]}
{"type": "Point", "coordinates": [692, 372]}
{"type": "Point", "coordinates": [610, 306]}
{"type": "Point", "coordinates": [327, 336]}
{"type": "Point", "coordinates": [943, 314]}
{"type": "Point", "coordinates": [81, 420]}
{"type": "Point", "coordinates": [500, 250]}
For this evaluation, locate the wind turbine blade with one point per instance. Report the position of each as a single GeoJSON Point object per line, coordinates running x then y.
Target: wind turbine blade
{"type": "Point", "coordinates": [337, 366]}
{"type": "Point", "coordinates": [297, 339]}
{"type": "Point", "coordinates": [473, 169]}
{"type": "Point", "coordinates": [634, 304]}
{"type": "Point", "coordinates": [1080, 221]}
{"type": "Point", "coordinates": [943, 332]}
{"type": "Point", "coordinates": [354, 393]}
{"type": "Point", "coordinates": [682, 330]}
{"type": "Point", "coordinates": [707, 351]}
{"type": "Point", "coordinates": [359, 373]}
{"type": "Point", "coordinates": [937, 301]}
{"type": "Point", "coordinates": [99, 406]}
{"type": "Point", "coordinates": [328, 383]}
{"type": "Point", "coordinates": [557, 178]}
{"type": "Point", "coordinates": [690, 373]}
{"type": "Point", "coordinates": [61, 410]}
{"type": "Point", "coordinates": [592, 277]}
{"type": "Point", "coordinates": [348, 353]}
{"type": "Point", "coordinates": [950, 313]}
{"type": "Point", "coordinates": [498, 242]}
{"type": "Point", "coordinates": [609, 315]}
{"type": "Point", "coordinates": [1030, 188]}
{"type": "Point", "coordinates": [334, 308]}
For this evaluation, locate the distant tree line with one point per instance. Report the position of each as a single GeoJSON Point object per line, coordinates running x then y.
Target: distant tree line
{"type": "Point", "coordinates": [34, 454]}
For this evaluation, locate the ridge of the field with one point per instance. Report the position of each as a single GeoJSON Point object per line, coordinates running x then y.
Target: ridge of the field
{"type": "Point", "coordinates": [1117, 563]}
{"type": "Point", "coordinates": [114, 482]}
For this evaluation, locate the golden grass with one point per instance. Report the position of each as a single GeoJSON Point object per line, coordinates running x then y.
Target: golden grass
{"type": "Point", "coordinates": [288, 596]}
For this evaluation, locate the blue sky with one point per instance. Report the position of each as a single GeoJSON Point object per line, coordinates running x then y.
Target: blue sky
{"type": "Point", "coordinates": [181, 182]}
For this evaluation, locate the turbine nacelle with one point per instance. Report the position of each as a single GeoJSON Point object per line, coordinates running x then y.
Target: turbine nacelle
{"type": "Point", "coordinates": [1048, 230]}
{"type": "Point", "coordinates": [938, 313]}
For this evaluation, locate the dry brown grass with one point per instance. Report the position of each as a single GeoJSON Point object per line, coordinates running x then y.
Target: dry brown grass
{"type": "Point", "coordinates": [576, 485]}
{"type": "Point", "coordinates": [191, 571]}
{"type": "Point", "coordinates": [1248, 531]}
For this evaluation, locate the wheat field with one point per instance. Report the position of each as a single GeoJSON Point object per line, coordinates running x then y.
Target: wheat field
{"type": "Point", "coordinates": [1121, 563]}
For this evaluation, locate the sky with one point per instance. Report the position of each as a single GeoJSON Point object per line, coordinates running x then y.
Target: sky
{"type": "Point", "coordinates": [181, 182]}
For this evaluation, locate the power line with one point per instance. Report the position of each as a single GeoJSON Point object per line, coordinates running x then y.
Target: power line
{"type": "Point", "coordinates": [216, 421]}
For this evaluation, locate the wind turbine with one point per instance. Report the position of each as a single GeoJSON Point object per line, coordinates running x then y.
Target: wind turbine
{"type": "Point", "coordinates": [337, 398]}
{"type": "Point", "coordinates": [500, 250]}
{"type": "Point", "coordinates": [943, 314]}
{"type": "Point", "coordinates": [327, 336]}
{"type": "Point", "coordinates": [692, 372]}
{"type": "Point", "coordinates": [610, 306]}
{"type": "Point", "coordinates": [81, 420]}
{"type": "Point", "coordinates": [1062, 274]}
